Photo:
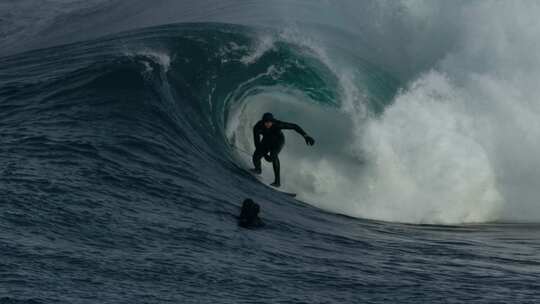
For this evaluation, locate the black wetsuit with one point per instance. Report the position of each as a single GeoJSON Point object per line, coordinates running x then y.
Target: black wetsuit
{"type": "Point", "coordinates": [271, 143]}
{"type": "Point", "coordinates": [249, 215]}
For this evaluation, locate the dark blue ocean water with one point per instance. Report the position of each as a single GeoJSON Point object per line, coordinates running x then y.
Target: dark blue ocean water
{"type": "Point", "coordinates": [119, 184]}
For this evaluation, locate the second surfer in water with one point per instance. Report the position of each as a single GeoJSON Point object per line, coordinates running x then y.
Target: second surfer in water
{"type": "Point", "coordinates": [272, 142]}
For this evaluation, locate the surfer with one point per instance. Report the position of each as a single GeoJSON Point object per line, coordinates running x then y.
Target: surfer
{"type": "Point", "coordinates": [249, 215]}
{"type": "Point", "coordinates": [272, 142]}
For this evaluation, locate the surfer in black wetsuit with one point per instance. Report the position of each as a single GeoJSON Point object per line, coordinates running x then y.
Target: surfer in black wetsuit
{"type": "Point", "coordinates": [249, 215]}
{"type": "Point", "coordinates": [272, 142]}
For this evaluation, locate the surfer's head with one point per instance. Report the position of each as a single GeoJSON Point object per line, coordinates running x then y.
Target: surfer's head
{"type": "Point", "coordinates": [268, 120]}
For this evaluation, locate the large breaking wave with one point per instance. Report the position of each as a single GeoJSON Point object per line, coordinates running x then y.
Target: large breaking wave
{"type": "Point", "coordinates": [427, 117]}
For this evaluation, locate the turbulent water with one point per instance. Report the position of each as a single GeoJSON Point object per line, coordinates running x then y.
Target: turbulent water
{"type": "Point", "coordinates": [127, 132]}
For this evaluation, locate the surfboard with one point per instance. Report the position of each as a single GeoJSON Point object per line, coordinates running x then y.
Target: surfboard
{"type": "Point", "coordinates": [259, 177]}
{"type": "Point", "coordinates": [283, 191]}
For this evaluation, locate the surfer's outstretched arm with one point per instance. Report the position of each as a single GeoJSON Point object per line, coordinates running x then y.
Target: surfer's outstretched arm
{"type": "Point", "coordinates": [290, 126]}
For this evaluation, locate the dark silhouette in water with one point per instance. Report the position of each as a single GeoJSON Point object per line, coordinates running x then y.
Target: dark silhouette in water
{"type": "Point", "coordinates": [249, 215]}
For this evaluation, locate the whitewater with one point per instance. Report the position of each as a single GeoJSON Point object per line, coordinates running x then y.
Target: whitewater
{"type": "Point", "coordinates": [127, 135]}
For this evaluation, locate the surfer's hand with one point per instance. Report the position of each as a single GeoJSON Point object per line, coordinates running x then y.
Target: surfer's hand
{"type": "Point", "coordinates": [309, 140]}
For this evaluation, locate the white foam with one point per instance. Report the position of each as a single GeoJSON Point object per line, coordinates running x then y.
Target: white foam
{"type": "Point", "coordinates": [460, 144]}
{"type": "Point", "coordinates": [426, 164]}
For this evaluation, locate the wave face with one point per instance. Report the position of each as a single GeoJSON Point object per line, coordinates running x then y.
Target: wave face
{"type": "Point", "coordinates": [123, 153]}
